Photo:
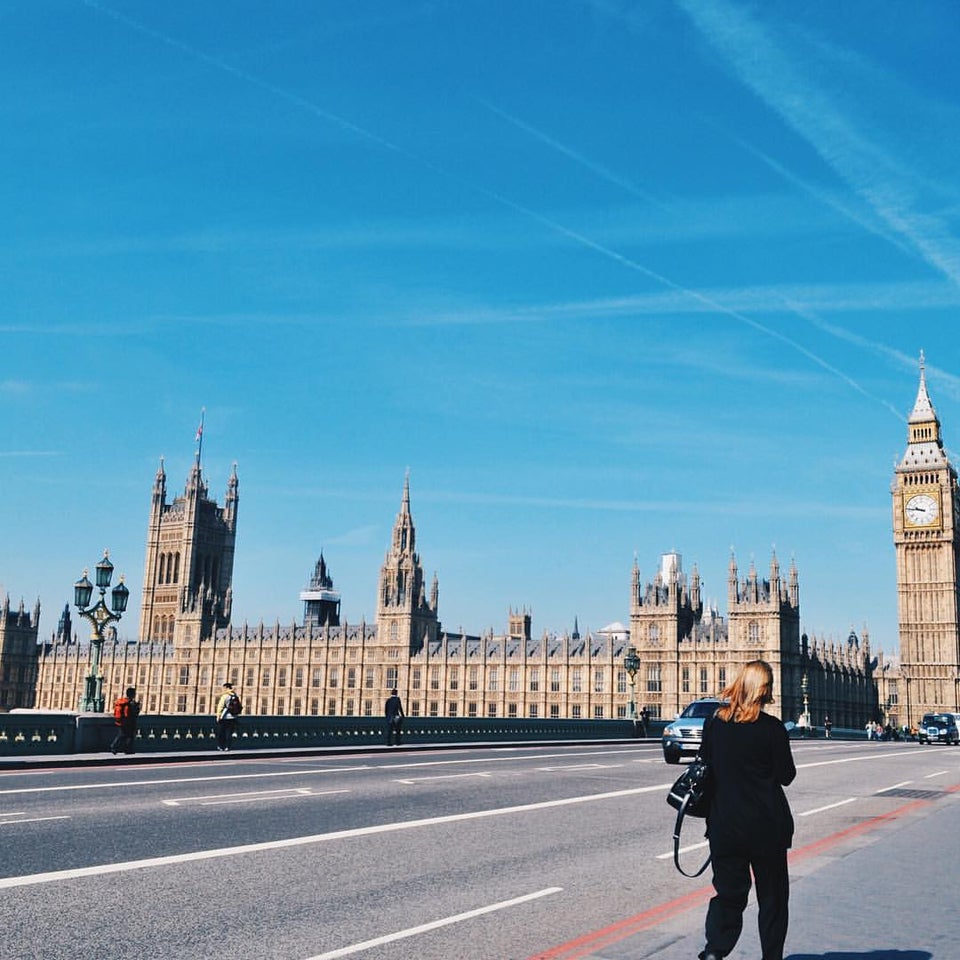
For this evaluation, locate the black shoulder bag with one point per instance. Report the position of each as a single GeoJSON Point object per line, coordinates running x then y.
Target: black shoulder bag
{"type": "Point", "coordinates": [690, 796]}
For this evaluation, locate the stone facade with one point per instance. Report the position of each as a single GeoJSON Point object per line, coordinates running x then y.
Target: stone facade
{"type": "Point", "coordinates": [188, 570]}
{"type": "Point", "coordinates": [18, 655]}
{"type": "Point", "coordinates": [685, 655]}
{"type": "Point", "coordinates": [188, 649]}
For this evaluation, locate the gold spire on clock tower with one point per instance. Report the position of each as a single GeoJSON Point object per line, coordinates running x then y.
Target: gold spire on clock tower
{"type": "Point", "coordinates": [926, 521]}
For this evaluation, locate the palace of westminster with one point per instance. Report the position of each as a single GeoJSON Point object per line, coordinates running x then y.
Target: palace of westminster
{"type": "Point", "coordinates": [187, 648]}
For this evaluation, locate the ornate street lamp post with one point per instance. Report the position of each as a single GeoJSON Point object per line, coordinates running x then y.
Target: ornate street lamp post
{"type": "Point", "coordinates": [631, 663]}
{"type": "Point", "coordinates": [100, 618]}
{"type": "Point", "coordinates": [805, 690]}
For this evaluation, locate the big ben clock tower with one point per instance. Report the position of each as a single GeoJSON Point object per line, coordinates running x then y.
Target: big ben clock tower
{"type": "Point", "coordinates": [926, 534]}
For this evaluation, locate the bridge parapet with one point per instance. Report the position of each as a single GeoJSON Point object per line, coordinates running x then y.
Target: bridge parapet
{"type": "Point", "coordinates": [32, 733]}
{"type": "Point", "coordinates": [29, 733]}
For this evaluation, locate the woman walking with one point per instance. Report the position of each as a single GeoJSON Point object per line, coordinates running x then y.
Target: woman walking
{"type": "Point", "coordinates": [749, 825]}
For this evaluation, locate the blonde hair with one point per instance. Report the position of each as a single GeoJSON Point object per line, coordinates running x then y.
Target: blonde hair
{"type": "Point", "coordinates": [749, 692]}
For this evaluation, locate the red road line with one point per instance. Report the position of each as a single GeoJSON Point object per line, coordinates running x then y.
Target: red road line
{"type": "Point", "coordinates": [584, 945]}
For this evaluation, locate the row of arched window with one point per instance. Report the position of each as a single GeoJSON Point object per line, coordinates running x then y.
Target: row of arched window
{"type": "Point", "coordinates": [207, 571]}
{"type": "Point", "coordinates": [921, 479]}
{"type": "Point", "coordinates": [168, 569]}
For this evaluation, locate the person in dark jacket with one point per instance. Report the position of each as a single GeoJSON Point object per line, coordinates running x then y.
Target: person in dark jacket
{"type": "Point", "coordinates": [749, 825]}
{"type": "Point", "coordinates": [393, 709]}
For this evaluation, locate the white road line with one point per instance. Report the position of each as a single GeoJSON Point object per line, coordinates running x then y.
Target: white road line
{"type": "Point", "coordinates": [254, 799]}
{"type": "Point", "coordinates": [282, 794]}
{"type": "Point", "coordinates": [829, 806]}
{"type": "Point", "coordinates": [693, 846]}
{"type": "Point", "coordinates": [405, 764]}
{"type": "Point", "coordinates": [112, 785]}
{"type": "Point", "coordinates": [79, 872]}
{"type": "Point", "coordinates": [883, 755]}
{"type": "Point", "coordinates": [446, 776]}
{"type": "Point", "coordinates": [225, 796]}
{"type": "Point", "coordinates": [582, 766]}
{"type": "Point", "coordinates": [939, 773]}
{"type": "Point", "coordinates": [4, 823]}
{"type": "Point", "coordinates": [14, 813]}
{"type": "Point", "coordinates": [433, 925]}
{"type": "Point", "coordinates": [902, 783]}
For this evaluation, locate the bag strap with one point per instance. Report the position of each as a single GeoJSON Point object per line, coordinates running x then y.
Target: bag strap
{"type": "Point", "coordinates": [676, 842]}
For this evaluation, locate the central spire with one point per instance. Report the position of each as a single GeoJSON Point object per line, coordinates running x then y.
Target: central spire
{"type": "Point", "coordinates": [404, 535]}
{"type": "Point", "coordinates": [923, 411]}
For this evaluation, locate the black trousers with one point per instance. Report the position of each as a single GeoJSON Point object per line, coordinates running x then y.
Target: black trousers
{"type": "Point", "coordinates": [394, 728]}
{"type": "Point", "coordinates": [224, 733]}
{"type": "Point", "coordinates": [731, 880]}
{"type": "Point", "coordinates": [125, 738]}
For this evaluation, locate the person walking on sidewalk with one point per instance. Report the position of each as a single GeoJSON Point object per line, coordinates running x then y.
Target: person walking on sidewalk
{"type": "Point", "coordinates": [126, 709]}
{"type": "Point", "coordinates": [749, 824]}
{"type": "Point", "coordinates": [228, 709]}
{"type": "Point", "coordinates": [393, 710]}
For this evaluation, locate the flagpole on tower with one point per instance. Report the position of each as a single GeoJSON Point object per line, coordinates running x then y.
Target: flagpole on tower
{"type": "Point", "coordinates": [199, 436]}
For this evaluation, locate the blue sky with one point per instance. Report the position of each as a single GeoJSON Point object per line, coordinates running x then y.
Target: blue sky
{"type": "Point", "coordinates": [609, 278]}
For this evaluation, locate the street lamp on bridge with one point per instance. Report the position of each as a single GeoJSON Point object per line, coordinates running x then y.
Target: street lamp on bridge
{"type": "Point", "coordinates": [805, 690]}
{"type": "Point", "coordinates": [100, 617]}
{"type": "Point", "coordinates": [631, 663]}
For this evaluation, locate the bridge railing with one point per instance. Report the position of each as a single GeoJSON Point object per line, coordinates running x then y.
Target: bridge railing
{"type": "Point", "coordinates": [34, 733]}
{"type": "Point", "coordinates": [37, 733]}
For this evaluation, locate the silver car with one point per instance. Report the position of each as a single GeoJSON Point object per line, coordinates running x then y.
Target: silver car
{"type": "Point", "coordinates": [684, 735]}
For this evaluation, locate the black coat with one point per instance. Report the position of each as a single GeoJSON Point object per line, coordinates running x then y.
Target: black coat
{"type": "Point", "coordinates": [393, 708]}
{"type": "Point", "coordinates": [751, 763]}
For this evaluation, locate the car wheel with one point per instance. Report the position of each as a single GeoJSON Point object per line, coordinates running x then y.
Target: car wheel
{"type": "Point", "coordinates": [671, 756]}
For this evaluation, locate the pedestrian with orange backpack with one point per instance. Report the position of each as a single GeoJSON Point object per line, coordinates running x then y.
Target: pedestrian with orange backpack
{"type": "Point", "coordinates": [125, 712]}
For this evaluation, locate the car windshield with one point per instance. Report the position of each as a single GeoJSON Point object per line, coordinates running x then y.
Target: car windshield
{"type": "Point", "coordinates": [700, 710]}
{"type": "Point", "coordinates": [930, 720]}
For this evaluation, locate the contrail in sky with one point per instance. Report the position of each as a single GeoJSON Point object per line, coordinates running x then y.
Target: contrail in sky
{"type": "Point", "coordinates": [551, 225]}
{"type": "Point", "coordinates": [949, 380]}
{"type": "Point", "coordinates": [250, 78]}
{"type": "Point", "coordinates": [573, 155]}
{"type": "Point", "coordinates": [820, 195]}
{"type": "Point", "coordinates": [783, 82]}
{"type": "Point", "coordinates": [837, 332]}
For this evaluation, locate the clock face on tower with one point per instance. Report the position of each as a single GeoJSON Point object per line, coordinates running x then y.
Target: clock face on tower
{"type": "Point", "coordinates": [921, 510]}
